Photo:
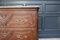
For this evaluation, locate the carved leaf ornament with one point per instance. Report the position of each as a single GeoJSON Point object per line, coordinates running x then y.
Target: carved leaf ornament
{"type": "Point", "coordinates": [4, 18]}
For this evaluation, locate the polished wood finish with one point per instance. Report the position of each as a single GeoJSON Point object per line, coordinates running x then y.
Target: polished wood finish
{"type": "Point", "coordinates": [18, 23]}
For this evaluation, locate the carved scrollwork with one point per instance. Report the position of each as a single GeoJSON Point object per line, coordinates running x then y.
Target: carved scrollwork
{"type": "Point", "coordinates": [4, 18]}
{"type": "Point", "coordinates": [21, 36]}
{"type": "Point", "coordinates": [21, 20]}
{"type": "Point", "coordinates": [3, 34]}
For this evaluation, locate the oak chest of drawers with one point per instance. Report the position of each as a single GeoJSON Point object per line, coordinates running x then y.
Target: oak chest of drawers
{"type": "Point", "coordinates": [20, 23]}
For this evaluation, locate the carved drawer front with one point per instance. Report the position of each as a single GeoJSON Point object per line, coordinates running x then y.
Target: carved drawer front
{"type": "Point", "coordinates": [16, 35]}
{"type": "Point", "coordinates": [21, 20]}
{"type": "Point", "coordinates": [17, 18]}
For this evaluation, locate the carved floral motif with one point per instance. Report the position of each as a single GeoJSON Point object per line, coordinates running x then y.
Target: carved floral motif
{"type": "Point", "coordinates": [8, 35]}
{"type": "Point", "coordinates": [4, 18]}
{"type": "Point", "coordinates": [3, 34]}
{"type": "Point", "coordinates": [23, 35]}
{"type": "Point", "coordinates": [21, 21]}
{"type": "Point", "coordinates": [24, 21]}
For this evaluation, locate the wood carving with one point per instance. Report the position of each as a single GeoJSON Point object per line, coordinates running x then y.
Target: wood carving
{"type": "Point", "coordinates": [23, 35]}
{"type": "Point", "coordinates": [4, 18]}
{"type": "Point", "coordinates": [5, 34]}
{"type": "Point", "coordinates": [18, 23]}
{"type": "Point", "coordinates": [15, 35]}
{"type": "Point", "coordinates": [21, 20]}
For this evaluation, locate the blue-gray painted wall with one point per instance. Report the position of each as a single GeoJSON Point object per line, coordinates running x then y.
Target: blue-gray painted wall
{"type": "Point", "coordinates": [49, 15]}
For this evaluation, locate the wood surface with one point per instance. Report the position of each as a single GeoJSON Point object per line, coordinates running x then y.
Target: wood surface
{"type": "Point", "coordinates": [18, 24]}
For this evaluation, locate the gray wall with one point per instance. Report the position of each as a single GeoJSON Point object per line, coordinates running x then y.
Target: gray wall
{"type": "Point", "coordinates": [49, 15]}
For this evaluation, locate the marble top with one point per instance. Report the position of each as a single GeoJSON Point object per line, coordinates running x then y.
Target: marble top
{"type": "Point", "coordinates": [19, 6]}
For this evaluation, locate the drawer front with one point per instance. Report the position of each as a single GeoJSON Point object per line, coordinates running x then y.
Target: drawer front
{"type": "Point", "coordinates": [21, 20]}
{"type": "Point", "coordinates": [16, 35]}
{"type": "Point", "coordinates": [17, 18]}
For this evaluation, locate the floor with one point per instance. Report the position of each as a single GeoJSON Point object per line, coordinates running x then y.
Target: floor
{"type": "Point", "coordinates": [49, 39]}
